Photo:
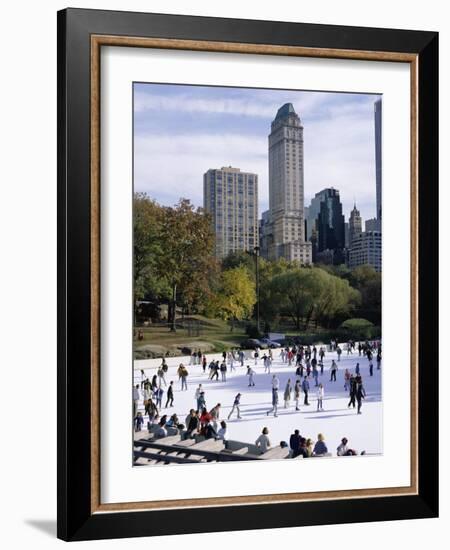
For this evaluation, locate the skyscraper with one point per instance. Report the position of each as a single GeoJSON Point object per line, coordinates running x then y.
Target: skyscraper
{"type": "Point", "coordinates": [326, 219]}
{"type": "Point", "coordinates": [283, 228]}
{"type": "Point", "coordinates": [354, 225]}
{"type": "Point", "coordinates": [366, 250]}
{"type": "Point", "coordinates": [378, 117]}
{"type": "Point", "coordinates": [231, 198]}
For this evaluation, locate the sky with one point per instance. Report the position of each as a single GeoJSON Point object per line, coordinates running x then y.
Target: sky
{"type": "Point", "coordinates": [181, 131]}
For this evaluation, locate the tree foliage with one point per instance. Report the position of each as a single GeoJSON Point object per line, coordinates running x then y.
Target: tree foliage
{"type": "Point", "coordinates": [235, 296]}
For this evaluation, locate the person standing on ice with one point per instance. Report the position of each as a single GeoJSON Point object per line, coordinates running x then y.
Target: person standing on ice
{"type": "Point", "coordinates": [346, 380]}
{"type": "Point", "coordinates": [223, 371]}
{"type": "Point", "coordinates": [338, 351]}
{"type": "Point", "coordinates": [275, 383]}
{"type": "Point", "coordinates": [320, 397]}
{"type": "Point", "coordinates": [287, 394]}
{"type": "Point", "coordinates": [305, 388]}
{"type": "Point", "coordinates": [352, 385]}
{"type": "Point", "coordinates": [371, 367]}
{"type": "Point", "coordinates": [297, 390]}
{"type": "Point", "coordinates": [357, 369]}
{"type": "Point", "coordinates": [266, 363]}
{"type": "Point", "coordinates": [315, 374]}
{"type": "Point", "coordinates": [250, 374]}
{"type": "Point", "coordinates": [274, 408]}
{"type": "Point", "coordinates": [333, 370]}
{"type": "Point", "coordinates": [282, 352]}
{"type": "Point", "coordinates": [236, 403]}
{"type": "Point", "coordinates": [360, 394]}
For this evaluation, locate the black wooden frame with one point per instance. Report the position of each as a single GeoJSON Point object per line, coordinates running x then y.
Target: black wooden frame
{"type": "Point", "coordinates": [75, 521]}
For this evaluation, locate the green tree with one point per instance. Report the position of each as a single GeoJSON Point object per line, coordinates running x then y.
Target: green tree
{"type": "Point", "coordinates": [186, 261]}
{"type": "Point", "coordinates": [147, 249]}
{"type": "Point", "coordinates": [235, 296]}
{"type": "Point", "coordinates": [359, 329]}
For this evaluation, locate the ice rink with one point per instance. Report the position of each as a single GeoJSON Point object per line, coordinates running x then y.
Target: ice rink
{"type": "Point", "coordinates": [364, 431]}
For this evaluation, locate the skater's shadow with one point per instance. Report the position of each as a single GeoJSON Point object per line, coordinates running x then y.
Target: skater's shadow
{"type": "Point", "coordinates": [327, 416]}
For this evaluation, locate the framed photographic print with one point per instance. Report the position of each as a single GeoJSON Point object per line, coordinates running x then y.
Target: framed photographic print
{"type": "Point", "coordinates": [247, 274]}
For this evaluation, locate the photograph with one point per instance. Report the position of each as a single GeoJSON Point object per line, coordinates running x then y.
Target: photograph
{"type": "Point", "coordinates": [257, 274]}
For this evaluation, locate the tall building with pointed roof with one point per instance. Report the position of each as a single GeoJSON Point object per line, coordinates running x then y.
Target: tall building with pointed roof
{"type": "Point", "coordinates": [354, 225]}
{"type": "Point", "coordinates": [284, 228]}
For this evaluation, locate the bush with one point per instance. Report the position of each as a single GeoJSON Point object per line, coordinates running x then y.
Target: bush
{"type": "Point", "coordinates": [357, 329]}
{"type": "Point", "coordinates": [252, 331]}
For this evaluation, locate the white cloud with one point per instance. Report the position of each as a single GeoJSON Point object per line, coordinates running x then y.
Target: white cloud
{"type": "Point", "coordinates": [338, 141]}
{"type": "Point", "coordinates": [263, 106]}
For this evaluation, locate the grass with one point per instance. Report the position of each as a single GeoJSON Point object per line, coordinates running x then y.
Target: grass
{"type": "Point", "coordinates": [213, 331]}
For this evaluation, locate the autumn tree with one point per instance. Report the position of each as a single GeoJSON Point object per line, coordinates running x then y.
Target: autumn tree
{"type": "Point", "coordinates": [235, 296]}
{"type": "Point", "coordinates": [186, 257]}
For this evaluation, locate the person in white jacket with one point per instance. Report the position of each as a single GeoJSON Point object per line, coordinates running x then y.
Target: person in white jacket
{"type": "Point", "coordinates": [320, 396]}
{"type": "Point", "coordinates": [263, 441]}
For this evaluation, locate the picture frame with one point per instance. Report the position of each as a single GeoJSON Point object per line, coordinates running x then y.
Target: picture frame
{"type": "Point", "coordinates": [81, 35]}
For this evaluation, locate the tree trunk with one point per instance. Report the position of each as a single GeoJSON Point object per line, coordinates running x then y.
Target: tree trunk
{"type": "Point", "coordinates": [173, 327]}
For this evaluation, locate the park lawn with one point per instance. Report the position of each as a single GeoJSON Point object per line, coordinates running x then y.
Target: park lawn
{"type": "Point", "coordinates": [213, 331]}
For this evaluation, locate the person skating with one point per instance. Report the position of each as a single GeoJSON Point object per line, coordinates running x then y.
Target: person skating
{"type": "Point", "coordinates": [275, 382]}
{"type": "Point", "coordinates": [333, 370]}
{"type": "Point", "coordinates": [169, 401]}
{"type": "Point", "coordinates": [370, 367]}
{"type": "Point", "coordinates": [360, 394]}
{"type": "Point", "coordinates": [352, 392]}
{"type": "Point", "coordinates": [136, 399]}
{"type": "Point", "coordinates": [320, 397]}
{"type": "Point", "coordinates": [250, 374]}
{"type": "Point", "coordinates": [223, 371]}
{"type": "Point", "coordinates": [138, 422]}
{"type": "Point", "coordinates": [274, 408]}
{"type": "Point", "coordinates": [346, 380]}
{"type": "Point", "coordinates": [305, 388]}
{"type": "Point", "coordinates": [315, 374]}
{"type": "Point", "coordinates": [236, 403]}
{"type": "Point", "coordinates": [297, 390]}
{"type": "Point", "coordinates": [287, 394]}
{"type": "Point", "coordinates": [338, 351]}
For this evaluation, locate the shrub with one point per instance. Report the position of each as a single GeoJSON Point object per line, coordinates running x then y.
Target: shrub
{"type": "Point", "coordinates": [357, 329]}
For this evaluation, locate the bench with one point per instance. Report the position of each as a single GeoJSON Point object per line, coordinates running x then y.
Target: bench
{"type": "Point", "coordinates": [276, 453]}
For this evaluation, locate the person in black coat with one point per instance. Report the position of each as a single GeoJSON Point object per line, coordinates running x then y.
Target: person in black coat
{"type": "Point", "coordinates": [295, 442]}
{"type": "Point", "coordinates": [352, 383]}
{"type": "Point", "coordinates": [360, 394]}
{"type": "Point", "coordinates": [169, 401]}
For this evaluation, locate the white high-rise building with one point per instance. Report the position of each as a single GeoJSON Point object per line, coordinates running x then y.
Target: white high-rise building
{"type": "Point", "coordinates": [231, 198]}
{"type": "Point", "coordinates": [284, 231]}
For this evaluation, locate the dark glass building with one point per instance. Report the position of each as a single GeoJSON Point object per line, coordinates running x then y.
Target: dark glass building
{"type": "Point", "coordinates": [328, 225]}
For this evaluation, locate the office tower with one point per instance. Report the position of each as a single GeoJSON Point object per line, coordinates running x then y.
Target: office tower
{"type": "Point", "coordinates": [283, 232]}
{"type": "Point", "coordinates": [374, 224]}
{"type": "Point", "coordinates": [231, 198]}
{"type": "Point", "coordinates": [366, 250]}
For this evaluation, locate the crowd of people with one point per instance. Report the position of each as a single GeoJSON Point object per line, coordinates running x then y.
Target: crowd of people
{"type": "Point", "coordinates": [156, 393]}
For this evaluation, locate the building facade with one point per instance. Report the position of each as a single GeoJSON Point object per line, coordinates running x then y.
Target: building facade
{"type": "Point", "coordinates": [283, 229]}
{"type": "Point", "coordinates": [366, 250]}
{"type": "Point", "coordinates": [354, 225]}
{"type": "Point", "coordinates": [231, 198]}
{"type": "Point", "coordinates": [326, 219]}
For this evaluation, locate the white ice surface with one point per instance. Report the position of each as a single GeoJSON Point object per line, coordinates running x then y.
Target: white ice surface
{"type": "Point", "coordinates": [364, 431]}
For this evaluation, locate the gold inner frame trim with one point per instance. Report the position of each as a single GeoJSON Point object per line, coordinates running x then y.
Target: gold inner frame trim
{"type": "Point", "coordinates": [97, 41]}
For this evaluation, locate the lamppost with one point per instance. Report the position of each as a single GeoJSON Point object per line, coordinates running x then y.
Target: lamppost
{"type": "Point", "coordinates": [256, 253]}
